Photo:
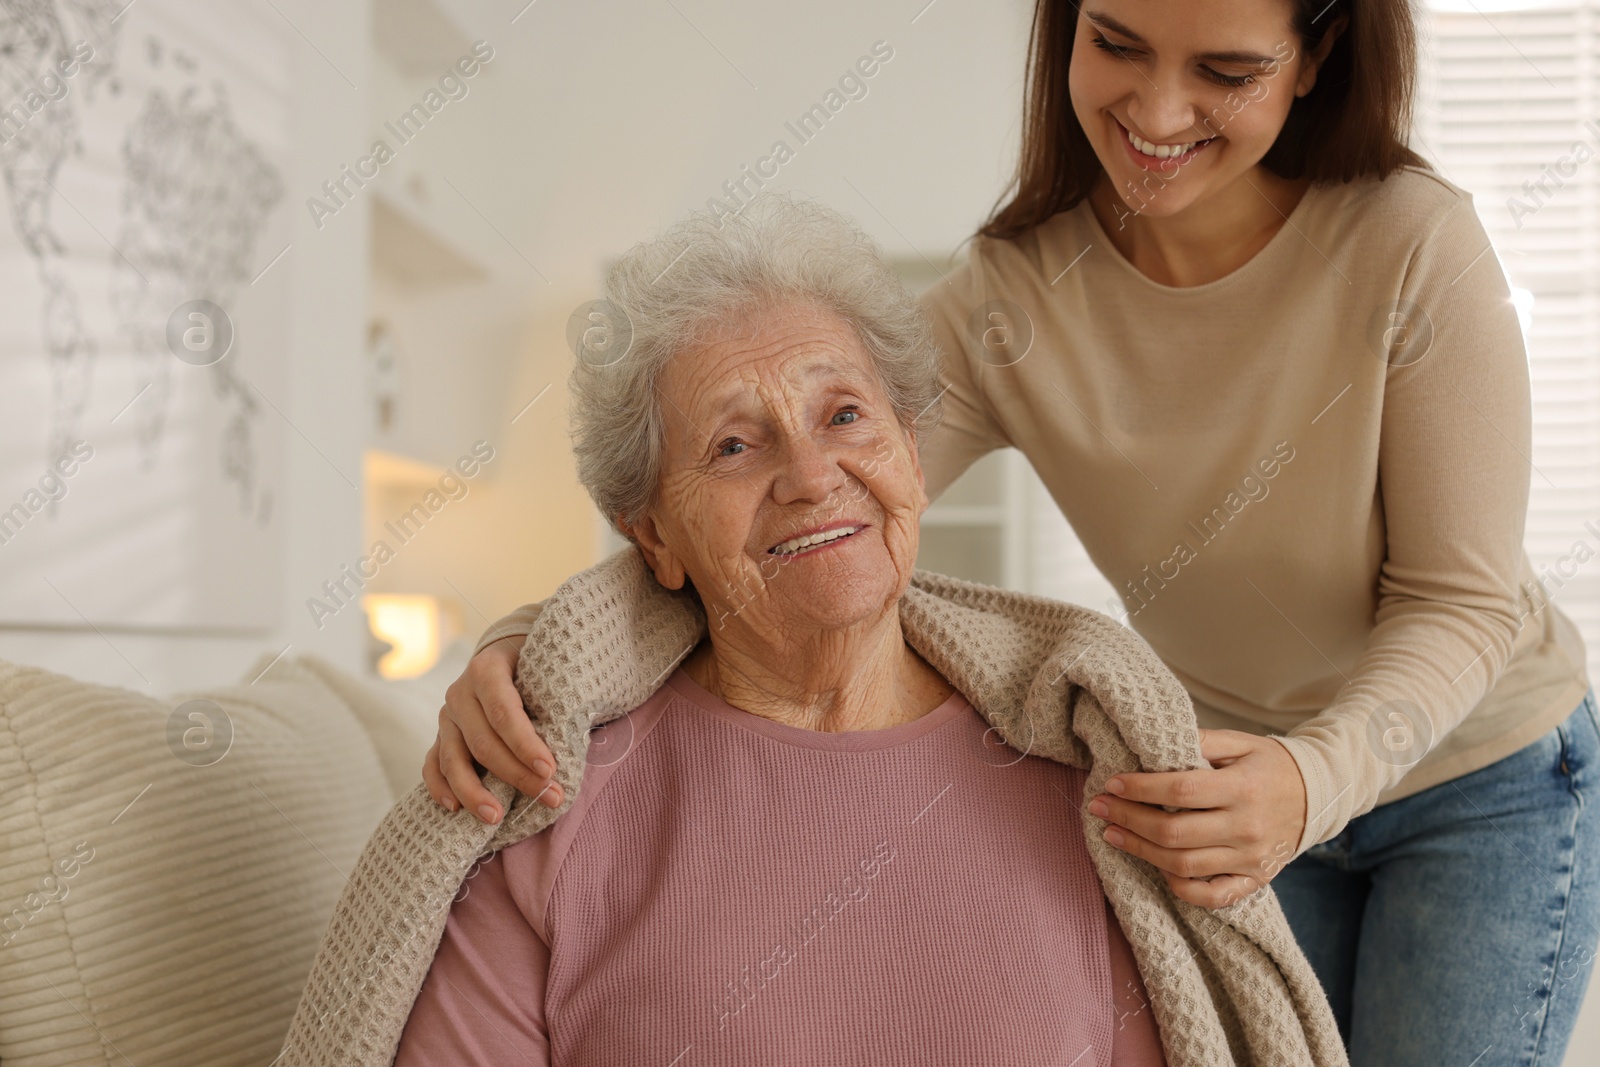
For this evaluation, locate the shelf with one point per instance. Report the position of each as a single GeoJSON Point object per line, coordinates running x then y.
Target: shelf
{"type": "Point", "coordinates": [405, 249]}
{"type": "Point", "coordinates": [390, 470]}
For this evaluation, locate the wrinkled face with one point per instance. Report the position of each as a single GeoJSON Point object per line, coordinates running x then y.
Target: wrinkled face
{"type": "Point", "coordinates": [1181, 98]}
{"type": "Point", "coordinates": [779, 431]}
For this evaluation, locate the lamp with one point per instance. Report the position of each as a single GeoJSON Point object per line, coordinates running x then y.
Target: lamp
{"type": "Point", "coordinates": [409, 622]}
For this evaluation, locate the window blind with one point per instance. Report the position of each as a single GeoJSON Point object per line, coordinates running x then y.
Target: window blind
{"type": "Point", "coordinates": [1509, 110]}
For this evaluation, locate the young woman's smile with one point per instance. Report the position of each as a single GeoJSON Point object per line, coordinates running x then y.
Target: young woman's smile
{"type": "Point", "coordinates": [1166, 158]}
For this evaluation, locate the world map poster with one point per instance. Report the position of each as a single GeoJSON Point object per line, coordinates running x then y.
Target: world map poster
{"type": "Point", "coordinates": [146, 292]}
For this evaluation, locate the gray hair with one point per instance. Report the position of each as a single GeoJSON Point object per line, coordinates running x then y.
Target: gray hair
{"type": "Point", "coordinates": [711, 268]}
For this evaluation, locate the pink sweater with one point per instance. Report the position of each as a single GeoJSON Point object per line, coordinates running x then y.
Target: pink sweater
{"type": "Point", "coordinates": [730, 890]}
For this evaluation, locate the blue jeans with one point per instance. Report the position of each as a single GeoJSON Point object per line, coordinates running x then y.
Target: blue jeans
{"type": "Point", "coordinates": [1459, 925]}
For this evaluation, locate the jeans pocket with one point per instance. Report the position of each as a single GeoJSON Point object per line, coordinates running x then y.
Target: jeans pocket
{"type": "Point", "coordinates": [1580, 737]}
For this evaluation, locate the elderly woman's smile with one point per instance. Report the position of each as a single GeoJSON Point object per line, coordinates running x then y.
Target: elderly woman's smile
{"type": "Point", "coordinates": [789, 496]}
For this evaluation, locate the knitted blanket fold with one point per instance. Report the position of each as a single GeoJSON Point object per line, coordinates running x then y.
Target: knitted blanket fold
{"type": "Point", "coordinates": [1228, 986]}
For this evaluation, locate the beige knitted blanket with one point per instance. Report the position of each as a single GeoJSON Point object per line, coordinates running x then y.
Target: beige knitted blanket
{"type": "Point", "coordinates": [1228, 986]}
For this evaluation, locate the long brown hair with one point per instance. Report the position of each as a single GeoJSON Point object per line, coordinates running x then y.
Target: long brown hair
{"type": "Point", "coordinates": [1353, 123]}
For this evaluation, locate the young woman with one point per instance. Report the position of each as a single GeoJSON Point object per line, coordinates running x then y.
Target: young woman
{"type": "Point", "coordinates": [1261, 356]}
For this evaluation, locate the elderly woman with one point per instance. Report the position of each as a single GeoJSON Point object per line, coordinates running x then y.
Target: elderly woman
{"type": "Point", "coordinates": [833, 810]}
{"type": "Point", "coordinates": [806, 845]}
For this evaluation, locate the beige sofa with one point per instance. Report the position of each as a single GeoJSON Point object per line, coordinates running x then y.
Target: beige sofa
{"type": "Point", "coordinates": [167, 867]}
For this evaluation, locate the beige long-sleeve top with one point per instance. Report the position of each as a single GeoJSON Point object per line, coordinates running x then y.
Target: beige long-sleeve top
{"type": "Point", "coordinates": [1308, 479]}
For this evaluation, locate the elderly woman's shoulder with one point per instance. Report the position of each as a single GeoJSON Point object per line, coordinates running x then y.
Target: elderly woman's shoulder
{"type": "Point", "coordinates": [611, 744]}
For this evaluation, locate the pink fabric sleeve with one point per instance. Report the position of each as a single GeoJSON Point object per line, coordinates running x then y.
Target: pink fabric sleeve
{"type": "Point", "coordinates": [482, 1004]}
{"type": "Point", "coordinates": [1136, 1041]}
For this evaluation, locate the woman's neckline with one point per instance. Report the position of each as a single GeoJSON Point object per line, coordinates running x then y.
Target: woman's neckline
{"type": "Point", "coordinates": [1288, 230]}
{"type": "Point", "coordinates": [823, 741]}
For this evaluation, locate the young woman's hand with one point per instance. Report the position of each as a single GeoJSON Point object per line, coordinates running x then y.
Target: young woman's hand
{"type": "Point", "coordinates": [483, 722]}
{"type": "Point", "coordinates": [1240, 824]}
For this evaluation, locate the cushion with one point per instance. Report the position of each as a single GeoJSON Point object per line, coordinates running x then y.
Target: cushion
{"type": "Point", "coordinates": [168, 867]}
{"type": "Point", "coordinates": [401, 717]}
